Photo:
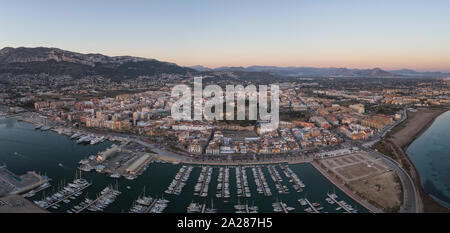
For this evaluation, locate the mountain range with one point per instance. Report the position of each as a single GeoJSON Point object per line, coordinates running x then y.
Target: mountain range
{"type": "Point", "coordinates": [56, 61]}
{"type": "Point", "coordinates": [307, 71]}
{"type": "Point", "coordinates": [324, 72]}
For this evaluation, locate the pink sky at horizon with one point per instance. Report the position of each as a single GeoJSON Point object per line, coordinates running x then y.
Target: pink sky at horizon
{"type": "Point", "coordinates": [389, 34]}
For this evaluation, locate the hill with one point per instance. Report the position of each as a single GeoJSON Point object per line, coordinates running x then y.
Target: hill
{"type": "Point", "coordinates": [56, 61]}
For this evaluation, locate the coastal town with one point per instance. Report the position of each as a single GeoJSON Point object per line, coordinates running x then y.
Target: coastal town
{"type": "Point", "coordinates": [312, 116]}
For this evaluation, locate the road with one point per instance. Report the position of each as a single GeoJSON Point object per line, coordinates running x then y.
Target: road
{"type": "Point", "coordinates": [410, 204]}
{"type": "Point", "coordinates": [383, 132]}
{"type": "Point", "coordinates": [411, 196]}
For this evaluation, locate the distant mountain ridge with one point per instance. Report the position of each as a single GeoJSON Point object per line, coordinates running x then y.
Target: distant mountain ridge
{"type": "Point", "coordinates": [56, 61]}
{"type": "Point", "coordinates": [200, 68]}
{"type": "Point", "coordinates": [304, 71]}
{"type": "Point", "coordinates": [409, 72]}
{"type": "Point", "coordinates": [312, 71]}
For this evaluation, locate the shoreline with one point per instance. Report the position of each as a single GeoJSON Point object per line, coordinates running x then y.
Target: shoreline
{"type": "Point", "coordinates": [424, 128]}
{"type": "Point", "coordinates": [180, 157]}
{"type": "Point", "coordinates": [250, 163]}
{"type": "Point", "coordinates": [420, 125]}
{"type": "Point", "coordinates": [163, 154]}
{"type": "Point", "coordinates": [412, 136]}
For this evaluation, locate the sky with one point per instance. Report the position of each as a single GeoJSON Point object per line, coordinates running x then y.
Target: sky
{"type": "Point", "coordinates": [390, 34]}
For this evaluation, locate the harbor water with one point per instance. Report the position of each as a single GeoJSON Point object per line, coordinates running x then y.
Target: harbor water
{"type": "Point", "coordinates": [25, 149]}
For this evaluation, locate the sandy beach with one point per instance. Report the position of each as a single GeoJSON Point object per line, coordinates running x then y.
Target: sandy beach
{"type": "Point", "coordinates": [417, 123]}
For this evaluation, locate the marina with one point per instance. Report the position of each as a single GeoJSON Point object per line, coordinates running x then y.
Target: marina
{"type": "Point", "coordinates": [157, 178]}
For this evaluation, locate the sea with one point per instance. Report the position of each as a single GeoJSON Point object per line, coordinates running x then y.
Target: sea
{"type": "Point", "coordinates": [430, 154]}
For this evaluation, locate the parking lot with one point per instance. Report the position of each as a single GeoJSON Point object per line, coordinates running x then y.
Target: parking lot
{"type": "Point", "coordinates": [10, 182]}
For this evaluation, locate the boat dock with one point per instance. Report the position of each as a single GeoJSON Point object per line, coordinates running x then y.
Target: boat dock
{"type": "Point", "coordinates": [158, 206]}
{"type": "Point", "coordinates": [42, 187]}
{"type": "Point", "coordinates": [59, 200]}
{"type": "Point", "coordinates": [178, 183]}
{"type": "Point", "coordinates": [107, 196]}
{"type": "Point", "coordinates": [311, 206]}
{"type": "Point", "coordinates": [278, 180]}
{"type": "Point", "coordinates": [74, 189]}
{"type": "Point", "coordinates": [242, 183]}
{"type": "Point", "coordinates": [33, 192]}
{"type": "Point", "coordinates": [239, 207]}
{"type": "Point", "coordinates": [283, 207]}
{"type": "Point", "coordinates": [345, 207]}
{"type": "Point", "coordinates": [150, 207]}
{"type": "Point", "coordinates": [201, 188]}
{"type": "Point", "coordinates": [223, 186]}
{"type": "Point", "coordinates": [298, 185]}
{"type": "Point", "coordinates": [261, 183]}
{"type": "Point", "coordinates": [205, 184]}
{"type": "Point", "coordinates": [223, 183]}
{"type": "Point", "coordinates": [147, 204]}
{"type": "Point", "coordinates": [279, 206]}
{"type": "Point", "coordinates": [141, 205]}
{"type": "Point", "coordinates": [203, 208]}
{"type": "Point", "coordinates": [93, 202]}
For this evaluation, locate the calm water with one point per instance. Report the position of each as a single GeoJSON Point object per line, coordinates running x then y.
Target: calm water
{"type": "Point", "coordinates": [24, 149]}
{"type": "Point", "coordinates": [430, 154]}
